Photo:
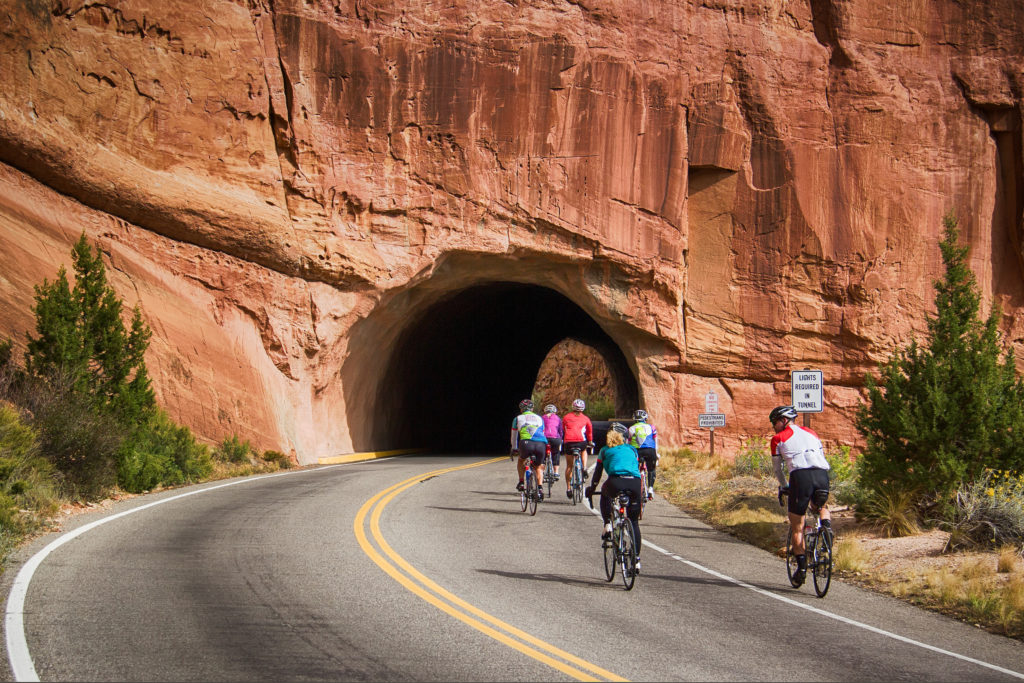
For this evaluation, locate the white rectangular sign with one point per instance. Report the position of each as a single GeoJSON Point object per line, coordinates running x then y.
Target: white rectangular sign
{"type": "Point", "coordinates": [711, 420]}
{"type": "Point", "coordinates": [808, 387]}
{"type": "Point", "coordinates": [710, 402]}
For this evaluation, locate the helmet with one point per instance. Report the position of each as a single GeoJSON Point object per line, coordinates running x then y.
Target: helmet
{"type": "Point", "coordinates": [781, 412]}
{"type": "Point", "coordinates": [620, 428]}
{"type": "Point", "coordinates": [640, 415]}
{"type": "Point", "coordinates": [578, 404]}
{"type": "Point", "coordinates": [525, 404]}
{"type": "Point", "coordinates": [550, 408]}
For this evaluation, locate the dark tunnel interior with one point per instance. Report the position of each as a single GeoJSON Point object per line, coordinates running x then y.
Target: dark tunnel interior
{"type": "Point", "coordinates": [458, 372]}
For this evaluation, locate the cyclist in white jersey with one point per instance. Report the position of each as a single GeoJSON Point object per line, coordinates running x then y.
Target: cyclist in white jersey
{"type": "Point", "coordinates": [808, 469]}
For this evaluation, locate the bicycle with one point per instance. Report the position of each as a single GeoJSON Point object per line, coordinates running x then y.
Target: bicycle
{"type": "Point", "coordinates": [620, 550]}
{"type": "Point", "coordinates": [576, 477]}
{"type": "Point", "coordinates": [818, 543]}
{"type": "Point", "coordinates": [528, 496]}
{"type": "Point", "coordinates": [549, 471]}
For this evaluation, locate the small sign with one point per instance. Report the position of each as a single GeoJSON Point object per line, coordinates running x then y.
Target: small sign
{"type": "Point", "coordinates": [710, 402]}
{"type": "Point", "coordinates": [711, 420]}
{"type": "Point", "coordinates": [808, 391]}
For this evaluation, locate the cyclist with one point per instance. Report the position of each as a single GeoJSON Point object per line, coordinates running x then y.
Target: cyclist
{"type": "Point", "coordinates": [808, 469]}
{"type": "Point", "coordinates": [578, 433]}
{"type": "Point", "coordinates": [528, 439]}
{"type": "Point", "coordinates": [619, 460]}
{"type": "Point", "coordinates": [643, 436]}
{"type": "Point", "coordinates": [553, 433]}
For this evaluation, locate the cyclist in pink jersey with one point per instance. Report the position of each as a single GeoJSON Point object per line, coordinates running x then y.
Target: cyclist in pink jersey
{"type": "Point", "coordinates": [553, 432]}
{"type": "Point", "coordinates": [579, 433]}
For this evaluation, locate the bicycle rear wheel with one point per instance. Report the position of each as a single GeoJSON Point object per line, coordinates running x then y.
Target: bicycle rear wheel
{"type": "Point", "coordinates": [549, 474]}
{"type": "Point", "coordinates": [609, 557]}
{"type": "Point", "coordinates": [791, 565]}
{"type": "Point", "coordinates": [531, 488]}
{"type": "Point", "coordinates": [627, 555]}
{"type": "Point", "coordinates": [643, 491]}
{"type": "Point", "coordinates": [822, 563]}
{"type": "Point", "coordinates": [577, 488]}
{"type": "Point", "coordinates": [524, 494]}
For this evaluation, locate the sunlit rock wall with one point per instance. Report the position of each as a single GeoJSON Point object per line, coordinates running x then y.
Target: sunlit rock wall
{"type": "Point", "coordinates": [736, 188]}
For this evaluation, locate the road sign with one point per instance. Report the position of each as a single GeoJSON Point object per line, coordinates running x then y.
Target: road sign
{"type": "Point", "coordinates": [711, 420]}
{"type": "Point", "coordinates": [710, 402]}
{"type": "Point", "coordinates": [808, 388]}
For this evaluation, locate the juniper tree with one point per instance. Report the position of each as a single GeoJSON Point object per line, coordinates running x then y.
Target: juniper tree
{"type": "Point", "coordinates": [943, 411]}
{"type": "Point", "coordinates": [80, 335]}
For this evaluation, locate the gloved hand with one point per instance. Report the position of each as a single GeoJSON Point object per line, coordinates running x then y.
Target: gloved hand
{"type": "Point", "coordinates": [783, 491]}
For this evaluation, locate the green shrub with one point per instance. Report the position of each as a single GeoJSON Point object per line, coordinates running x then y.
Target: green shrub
{"type": "Point", "coordinates": [162, 453]}
{"type": "Point", "coordinates": [989, 512]}
{"type": "Point", "coordinates": [234, 450]}
{"type": "Point", "coordinates": [842, 474]}
{"type": "Point", "coordinates": [27, 491]}
{"type": "Point", "coordinates": [599, 407]}
{"type": "Point", "coordinates": [277, 457]}
{"type": "Point", "coordinates": [753, 459]}
{"type": "Point", "coordinates": [892, 509]}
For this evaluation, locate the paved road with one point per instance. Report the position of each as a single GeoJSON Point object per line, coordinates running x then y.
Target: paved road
{"type": "Point", "coordinates": [311, 575]}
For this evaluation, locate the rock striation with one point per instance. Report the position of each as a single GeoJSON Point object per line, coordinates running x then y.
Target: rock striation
{"type": "Point", "coordinates": [296, 190]}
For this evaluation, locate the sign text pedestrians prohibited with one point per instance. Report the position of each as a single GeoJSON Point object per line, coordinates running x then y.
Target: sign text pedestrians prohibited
{"type": "Point", "coordinates": [808, 388]}
{"type": "Point", "coordinates": [712, 420]}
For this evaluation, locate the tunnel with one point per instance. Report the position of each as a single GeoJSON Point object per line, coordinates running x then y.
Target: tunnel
{"type": "Point", "coordinates": [453, 379]}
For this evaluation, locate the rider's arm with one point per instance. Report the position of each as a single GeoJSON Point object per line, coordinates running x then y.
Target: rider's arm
{"type": "Point", "coordinates": [598, 472]}
{"type": "Point", "coordinates": [777, 466]}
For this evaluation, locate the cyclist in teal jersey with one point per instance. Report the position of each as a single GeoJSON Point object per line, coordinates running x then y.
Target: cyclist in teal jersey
{"type": "Point", "coordinates": [529, 440]}
{"type": "Point", "coordinates": [619, 460]}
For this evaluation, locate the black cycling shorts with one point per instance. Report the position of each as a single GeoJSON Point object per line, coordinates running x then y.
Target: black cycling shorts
{"type": "Point", "coordinates": [802, 484]}
{"type": "Point", "coordinates": [569, 445]}
{"type": "Point", "coordinates": [535, 450]}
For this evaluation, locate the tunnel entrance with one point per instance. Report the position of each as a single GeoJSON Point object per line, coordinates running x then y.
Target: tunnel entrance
{"type": "Point", "coordinates": [458, 370]}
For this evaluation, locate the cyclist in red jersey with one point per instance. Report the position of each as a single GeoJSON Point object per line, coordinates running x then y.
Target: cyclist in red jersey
{"type": "Point", "coordinates": [579, 433]}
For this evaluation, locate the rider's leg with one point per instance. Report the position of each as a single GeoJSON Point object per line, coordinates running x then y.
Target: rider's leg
{"type": "Point", "coordinates": [796, 533]}
{"type": "Point", "coordinates": [521, 466]}
{"type": "Point", "coordinates": [569, 461]}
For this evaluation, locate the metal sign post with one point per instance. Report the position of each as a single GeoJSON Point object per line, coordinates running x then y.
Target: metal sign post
{"type": "Point", "coordinates": [710, 421]}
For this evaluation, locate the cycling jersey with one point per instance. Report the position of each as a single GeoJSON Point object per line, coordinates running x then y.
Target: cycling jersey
{"type": "Point", "coordinates": [800, 447]}
{"type": "Point", "coordinates": [552, 426]}
{"type": "Point", "coordinates": [577, 427]}
{"type": "Point", "coordinates": [643, 435]}
{"type": "Point", "coordinates": [619, 461]}
{"type": "Point", "coordinates": [529, 427]}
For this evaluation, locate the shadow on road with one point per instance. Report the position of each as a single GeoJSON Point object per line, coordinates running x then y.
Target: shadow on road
{"type": "Point", "coordinates": [556, 578]}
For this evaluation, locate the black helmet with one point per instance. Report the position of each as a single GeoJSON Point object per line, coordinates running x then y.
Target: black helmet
{"type": "Point", "coordinates": [525, 404]}
{"type": "Point", "coordinates": [781, 412]}
{"type": "Point", "coordinates": [620, 428]}
{"type": "Point", "coordinates": [640, 415]}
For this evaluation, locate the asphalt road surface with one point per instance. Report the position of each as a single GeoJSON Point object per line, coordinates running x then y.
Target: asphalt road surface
{"type": "Point", "coordinates": [424, 568]}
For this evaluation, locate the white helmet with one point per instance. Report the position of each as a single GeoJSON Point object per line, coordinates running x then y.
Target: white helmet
{"type": "Point", "coordinates": [578, 404]}
{"type": "Point", "coordinates": [550, 408]}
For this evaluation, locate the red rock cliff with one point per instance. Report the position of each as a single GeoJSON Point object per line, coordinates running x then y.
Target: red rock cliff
{"type": "Point", "coordinates": [317, 203]}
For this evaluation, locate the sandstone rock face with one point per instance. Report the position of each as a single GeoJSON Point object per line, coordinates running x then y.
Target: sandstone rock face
{"type": "Point", "coordinates": [354, 224]}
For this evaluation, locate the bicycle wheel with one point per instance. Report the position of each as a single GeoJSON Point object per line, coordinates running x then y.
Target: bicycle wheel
{"type": "Point", "coordinates": [627, 555]}
{"type": "Point", "coordinates": [610, 548]}
{"type": "Point", "coordinates": [791, 564]}
{"type": "Point", "coordinates": [577, 472]}
{"type": "Point", "coordinates": [549, 474]}
{"type": "Point", "coordinates": [531, 487]}
{"type": "Point", "coordinates": [822, 563]}
{"type": "Point", "coordinates": [524, 494]}
{"type": "Point", "coordinates": [643, 491]}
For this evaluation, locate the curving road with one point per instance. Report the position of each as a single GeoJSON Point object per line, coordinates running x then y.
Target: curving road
{"type": "Point", "coordinates": [423, 568]}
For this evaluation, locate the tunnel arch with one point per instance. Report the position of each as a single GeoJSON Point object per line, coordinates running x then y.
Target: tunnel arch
{"type": "Point", "coordinates": [460, 364]}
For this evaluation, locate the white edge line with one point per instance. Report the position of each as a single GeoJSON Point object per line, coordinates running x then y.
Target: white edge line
{"type": "Point", "coordinates": [14, 625]}
{"type": "Point", "coordinates": [830, 615]}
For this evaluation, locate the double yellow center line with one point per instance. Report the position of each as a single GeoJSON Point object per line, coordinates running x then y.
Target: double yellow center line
{"type": "Point", "coordinates": [407, 575]}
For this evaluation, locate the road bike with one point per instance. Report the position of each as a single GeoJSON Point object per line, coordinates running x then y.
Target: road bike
{"type": "Point", "coordinates": [529, 495]}
{"type": "Point", "coordinates": [549, 471]}
{"type": "Point", "coordinates": [576, 476]}
{"type": "Point", "coordinates": [818, 543]}
{"type": "Point", "coordinates": [620, 549]}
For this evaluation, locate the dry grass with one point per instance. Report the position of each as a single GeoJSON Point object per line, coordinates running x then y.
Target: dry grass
{"type": "Point", "coordinates": [851, 555]}
{"type": "Point", "coordinates": [1007, 560]}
